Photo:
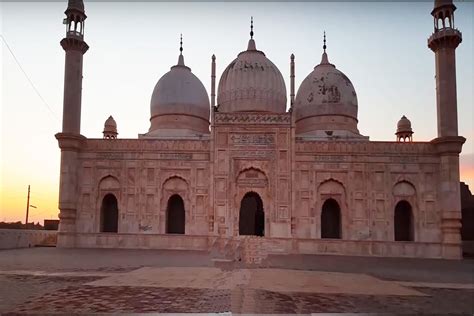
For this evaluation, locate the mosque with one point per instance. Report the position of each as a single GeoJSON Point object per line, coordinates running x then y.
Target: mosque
{"type": "Point", "coordinates": [239, 169]}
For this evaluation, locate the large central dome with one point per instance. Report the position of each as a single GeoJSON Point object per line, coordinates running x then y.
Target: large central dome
{"type": "Point", "coordinates": [251, 83]}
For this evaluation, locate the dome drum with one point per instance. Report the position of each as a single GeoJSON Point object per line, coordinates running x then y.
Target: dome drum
{"type": "Point", "coordinates": [327, 123]}
{"type": "Point", "coordinates": [179, 121]}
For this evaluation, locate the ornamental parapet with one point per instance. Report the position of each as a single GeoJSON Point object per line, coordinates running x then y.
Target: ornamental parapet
{"type": "Point", "coordinates": [144, 145]}
{"type": "Point", "coordinates": [358, 147]}
{"type": "Point", "coordinates": [253, 118]}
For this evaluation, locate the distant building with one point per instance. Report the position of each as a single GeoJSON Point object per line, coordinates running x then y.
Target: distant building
{"type": "Point", "coordinates": [467, 208]}
{"type": "Point", "coordinates": [303, 180]}
{"type": "Point", "coordinates": [51, 224]}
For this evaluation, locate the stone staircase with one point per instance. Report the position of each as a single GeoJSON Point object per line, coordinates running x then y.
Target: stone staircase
{"type": "Point", "coordinates": [253, 250]}
{"type": "Point", "coordinates": [241, 250]}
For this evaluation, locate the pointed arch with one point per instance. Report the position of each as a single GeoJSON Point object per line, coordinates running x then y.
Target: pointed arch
{"type": "Point", "coordinates": [403, 222]}
{"type": "Point", "coordinates": [404, 187]}
{"type": "Point", "coordinates": [175, 203]}
{"type": "Point", "coordinates": [109, 182]}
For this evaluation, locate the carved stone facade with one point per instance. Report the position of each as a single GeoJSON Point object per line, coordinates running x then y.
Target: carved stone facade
{"type": "Point", "coordinates": [293, 178]}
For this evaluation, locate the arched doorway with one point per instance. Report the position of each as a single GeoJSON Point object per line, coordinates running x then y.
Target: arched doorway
{"type": "Point", "coordinates": [109, 214]}
{"type": "Point", "coordinates": [251, 216]}
{"type": "Point", "coordinates": [331, 219]}
{"type": "Point", "coordinates": [403, 222]}
{"type": "Point", "coordinates": [175, 215]}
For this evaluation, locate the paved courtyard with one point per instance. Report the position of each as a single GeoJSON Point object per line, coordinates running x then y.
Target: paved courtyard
{"type": "Point", "coordinates": [88, 281]}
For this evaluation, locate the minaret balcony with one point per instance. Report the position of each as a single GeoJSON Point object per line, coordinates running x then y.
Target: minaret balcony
{"type": "Point", "coordinates": [445, 38]}
{"type": "Point", "coordinates": [74, 43]}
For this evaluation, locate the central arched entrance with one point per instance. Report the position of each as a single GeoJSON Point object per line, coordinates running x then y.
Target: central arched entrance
{"type": "Point", "coordinates": [251, 216]}
{"type": "Point", "coordinates": [175, 215]}
{"type": "Point", "coordinates": [109, 214]}
{"type": "Point", "coordinates": [331, 219]}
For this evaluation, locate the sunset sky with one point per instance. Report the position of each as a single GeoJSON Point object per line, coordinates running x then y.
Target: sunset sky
{"type": "Point", "coordinates": [380, 46]}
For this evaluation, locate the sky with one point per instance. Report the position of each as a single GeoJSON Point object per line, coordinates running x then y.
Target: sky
{"type": "Point", "coordinates": [380, 46]}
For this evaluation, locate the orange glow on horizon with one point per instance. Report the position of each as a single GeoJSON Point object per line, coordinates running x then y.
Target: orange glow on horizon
{"type": "Point", "coordinates": [13, 198]}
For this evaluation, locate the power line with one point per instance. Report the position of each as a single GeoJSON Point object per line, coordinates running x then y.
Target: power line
{"type": "Point", "coordinates": [28, 78]}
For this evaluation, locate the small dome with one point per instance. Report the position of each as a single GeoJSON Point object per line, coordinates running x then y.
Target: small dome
{"type": "Point", "coordinates": [110, 128]}
{"type": "Point", "coordinates": [404, 130]}
{"type": "Point", "coordinates": [179, 104]}
{"type": "Point", "coordinates": [326, 101]}
{"type": "Point", "coordinates": [251, 83]}
{"type": "Point", "coordinates": [404, 125]}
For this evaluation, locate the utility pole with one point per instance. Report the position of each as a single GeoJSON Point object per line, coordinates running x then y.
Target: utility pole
{"type": "Point", "coordinates": [27, 207]}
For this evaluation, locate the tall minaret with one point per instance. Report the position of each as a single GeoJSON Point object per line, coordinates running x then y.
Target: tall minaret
{"type": "Point", "coordinates": [75, 47]}
{"type": "Point", "coordinates": [70, 139]}
{"type": "Point", "coordinates": [443, 43]}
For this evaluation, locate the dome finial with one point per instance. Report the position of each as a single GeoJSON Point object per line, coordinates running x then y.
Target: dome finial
{"type": "Point", "coordinates": [181, 57]}
{"type": "Point", "coordinates": [251, 27]}
{"type": "Point", "coordinates": [324, 41]}
{"type": "Point", "coordinates": [251, 45]}
{"type": "Point", "coordinates": [324, 58]}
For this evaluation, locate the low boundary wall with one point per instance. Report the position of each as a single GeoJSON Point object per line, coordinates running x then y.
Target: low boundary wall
{"type": "Point", "coordinates": [24, 238]}
{"type": "Point", "coordinates": [271, 245]}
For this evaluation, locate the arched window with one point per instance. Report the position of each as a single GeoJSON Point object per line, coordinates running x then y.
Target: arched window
{"type": "Point", "coordinates": [109, 214]}
{"type": "Point", "coordinates": [331, 219]}
{"type": "Point", "coordinates": [403, 222]}
{"type": "Point", "coordinates": [251, 216]}
{"type": "Point", "coordinates": [175, 215]}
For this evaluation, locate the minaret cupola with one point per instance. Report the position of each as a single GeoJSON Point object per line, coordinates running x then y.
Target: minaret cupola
{"type": "Point", "coordinates": [75, 17]}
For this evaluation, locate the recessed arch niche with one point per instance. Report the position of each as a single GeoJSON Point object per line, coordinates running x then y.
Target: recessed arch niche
{"type": "Point", "coordinates": [108, 205]}
{"type": "Point", "coordinates": [174, 198]}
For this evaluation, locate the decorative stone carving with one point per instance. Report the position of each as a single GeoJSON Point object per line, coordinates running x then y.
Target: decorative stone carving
{"type": "Point", "coordinates": [252, 178]}
{"type": "Point", "coordinates": [252, 139]}
{"type": "Point", "coordinates": [404, 188]}
{"type": "Point", "coordinates": [176, 156]}
{"type": "Point", "coordinates": [252, 118]}
{"type": "Point", "coordinates": [261, 154]}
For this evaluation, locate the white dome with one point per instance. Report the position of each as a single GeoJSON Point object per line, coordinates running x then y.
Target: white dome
{"type": "Point", "coordinates": [179, 103]}
{"type": "Point", "coordinates": [326, 101]}
{"type": "Point", "coordinates": [251, 83]}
